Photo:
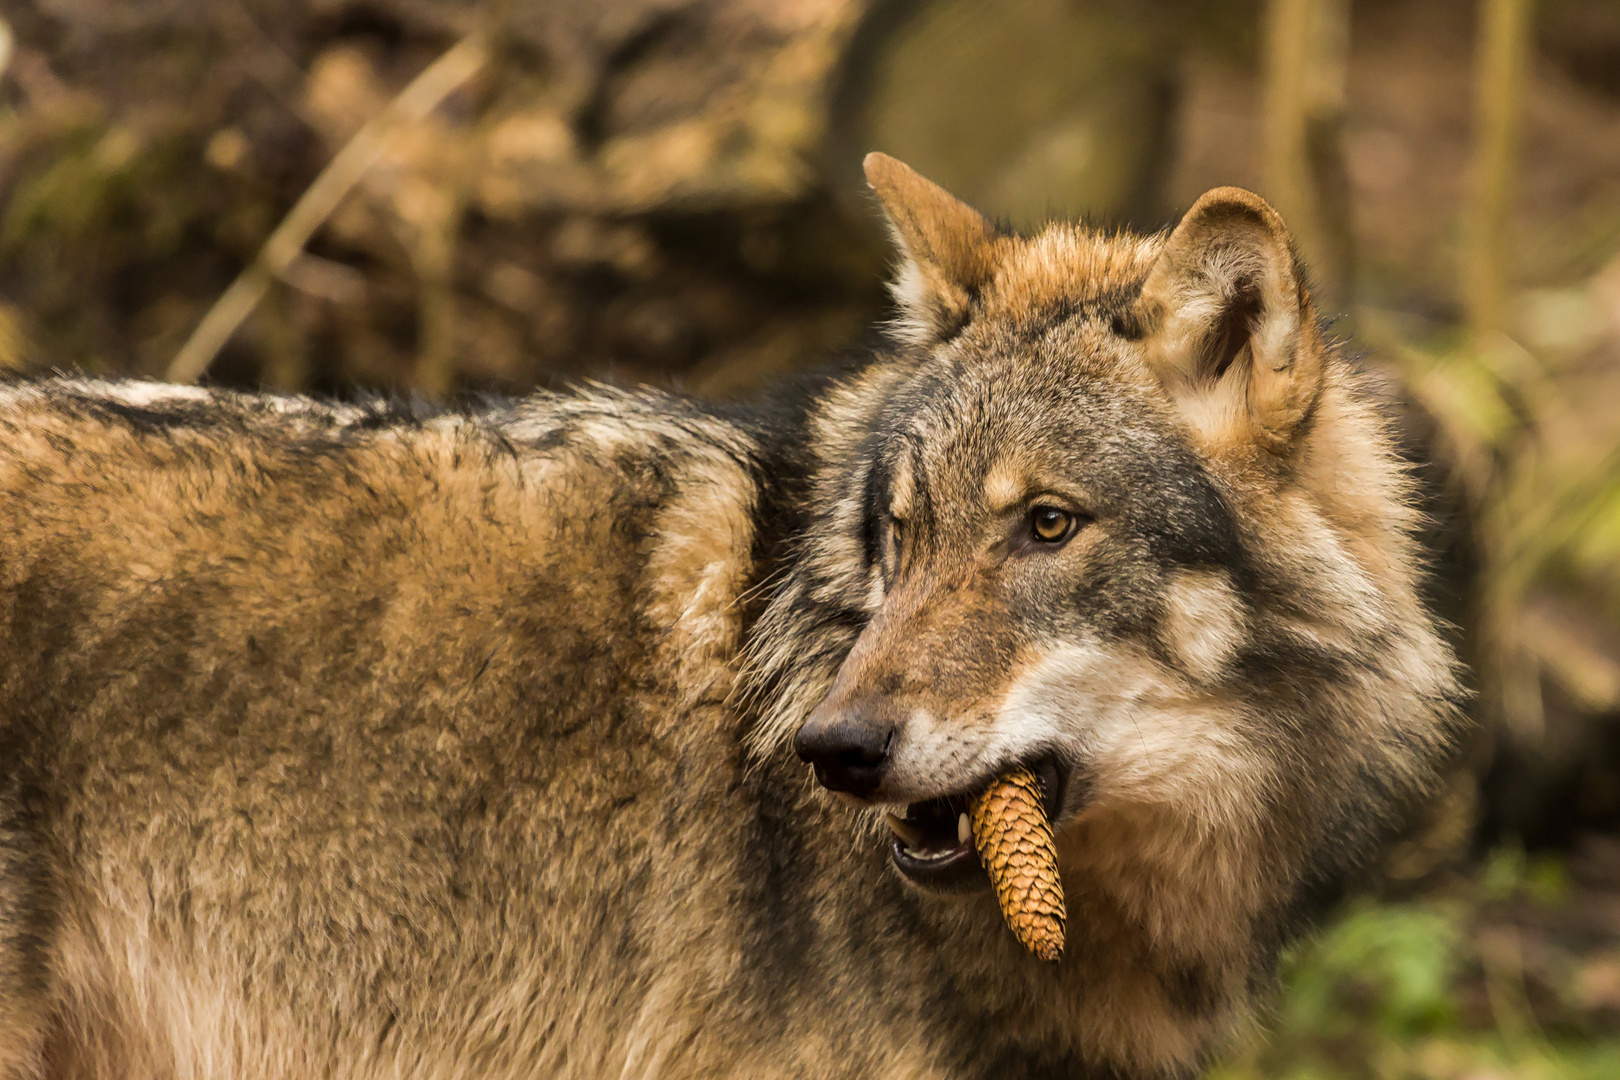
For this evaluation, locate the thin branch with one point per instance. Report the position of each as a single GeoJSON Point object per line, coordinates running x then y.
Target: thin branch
{"type": "Point", "coordinates": [358, 156]}
{"type": "Point", "coordinates": [1501, 63]}
{"type": "Point", "coordinates": [1306, 59]}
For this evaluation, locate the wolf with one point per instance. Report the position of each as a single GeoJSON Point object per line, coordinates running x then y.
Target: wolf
{"type": "Point", "coordinates": [618, 734]}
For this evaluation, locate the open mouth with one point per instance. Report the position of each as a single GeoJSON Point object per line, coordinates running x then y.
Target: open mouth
{"type": "Point", "coordinates": [933, 845]}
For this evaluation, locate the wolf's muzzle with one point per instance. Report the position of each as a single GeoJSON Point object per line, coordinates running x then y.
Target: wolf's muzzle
{"type": "Point", "coordinates": [849, 749]}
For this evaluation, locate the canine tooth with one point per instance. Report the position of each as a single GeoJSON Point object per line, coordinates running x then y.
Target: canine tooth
{"type": "Point", "coordinates": [908, 835]}
{"type": "Point", "coordinates": [964, 831]}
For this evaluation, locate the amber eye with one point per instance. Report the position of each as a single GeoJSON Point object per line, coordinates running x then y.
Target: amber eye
{"type": "Point", "coordinates": [1050, 525]}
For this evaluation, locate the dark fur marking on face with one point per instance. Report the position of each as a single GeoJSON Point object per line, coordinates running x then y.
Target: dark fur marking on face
{"type": "Point", "coordinates": [924, 514]}
{"type": "Point", "coordinates": [1176, 511]}
{"type": "Point", "coordinates": [1275, 662]}
{"type": "Point", "coordinates": [875, 508]}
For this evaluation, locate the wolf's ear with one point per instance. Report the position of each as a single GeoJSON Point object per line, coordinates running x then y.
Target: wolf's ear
{"type": "Point", "coordinates": [949, 249]}
{"type": "Point", "coordinates": [1227, 322]}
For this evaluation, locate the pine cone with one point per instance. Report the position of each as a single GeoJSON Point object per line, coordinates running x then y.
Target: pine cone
{"type": "Point", "coordinates": [1016, 847]}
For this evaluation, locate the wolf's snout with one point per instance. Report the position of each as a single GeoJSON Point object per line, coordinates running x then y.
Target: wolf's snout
{"type": "Point", "coordinates": [849, 749]}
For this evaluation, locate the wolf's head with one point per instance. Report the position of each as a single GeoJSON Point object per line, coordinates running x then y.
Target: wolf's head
{"type": "Point", "coordinates": [1114, 510]}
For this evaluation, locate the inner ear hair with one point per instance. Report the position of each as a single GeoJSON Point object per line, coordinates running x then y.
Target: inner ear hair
{"type": "Point", "coordinates": [1233, 331]}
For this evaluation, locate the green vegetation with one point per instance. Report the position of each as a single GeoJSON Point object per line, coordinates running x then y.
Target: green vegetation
{"type": "Point", "coordinates": [1508, 972]}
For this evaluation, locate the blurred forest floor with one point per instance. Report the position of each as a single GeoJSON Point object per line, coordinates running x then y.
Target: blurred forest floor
{"type": "Point", "coordinates": [1506, 967]}
{"type": "Point", "coordinates": [668, 191]}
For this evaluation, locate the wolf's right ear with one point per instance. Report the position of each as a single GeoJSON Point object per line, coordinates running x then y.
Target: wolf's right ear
{"type": "Point", "coordinates": [1228, 325]}
{"type": "Point", "coordinates": [949, 249]}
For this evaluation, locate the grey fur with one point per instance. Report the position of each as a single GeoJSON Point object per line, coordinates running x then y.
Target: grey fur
{"type": "Point", "coordinates": [359, 742]}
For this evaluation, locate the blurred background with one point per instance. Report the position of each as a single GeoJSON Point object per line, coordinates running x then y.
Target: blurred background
{"type": "Point", "coordinates": [439, 197]}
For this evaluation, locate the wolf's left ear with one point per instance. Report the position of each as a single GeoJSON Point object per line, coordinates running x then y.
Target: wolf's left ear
{"type": "Point", "coordinates": [949, 248]}
{"type": "Point", "coordinates": [1227, 322]}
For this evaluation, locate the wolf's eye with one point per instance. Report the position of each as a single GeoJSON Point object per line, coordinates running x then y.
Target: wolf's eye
{"type": "Point", "coordinates": [1051, 525]}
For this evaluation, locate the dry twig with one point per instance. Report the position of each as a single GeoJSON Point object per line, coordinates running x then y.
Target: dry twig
{"type": "Point", "coordinates": [1307, 49]}
{"type": "Point", "coordinates": [1501, 63]}
{"type": "Point", "coordinates": [359, 155]}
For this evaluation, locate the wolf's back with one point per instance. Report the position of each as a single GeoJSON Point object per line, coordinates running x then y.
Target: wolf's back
{"type": "Point", "coordinates": [344, 740]}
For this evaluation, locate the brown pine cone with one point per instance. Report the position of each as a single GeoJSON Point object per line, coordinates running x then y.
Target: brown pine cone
{"type": "Point", "coordinates": [1016, 847]}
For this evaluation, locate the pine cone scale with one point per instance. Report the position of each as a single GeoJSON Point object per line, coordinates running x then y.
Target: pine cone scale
{"type": "Point", "coordinates": [1016, 846]}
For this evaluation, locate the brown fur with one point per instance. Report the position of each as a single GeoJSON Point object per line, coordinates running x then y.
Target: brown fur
{"type": "Point", "coordinates": [350, 741]}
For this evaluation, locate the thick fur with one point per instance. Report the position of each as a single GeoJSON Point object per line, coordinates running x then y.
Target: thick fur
{"type": "Point", "coordinates": [354, 741]}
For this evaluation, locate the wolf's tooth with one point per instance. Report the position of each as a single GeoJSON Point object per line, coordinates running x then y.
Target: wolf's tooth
{"type": "Point", "coordinates": [964, 831]}
{"type": "Point", "coordinates": [908, 835]}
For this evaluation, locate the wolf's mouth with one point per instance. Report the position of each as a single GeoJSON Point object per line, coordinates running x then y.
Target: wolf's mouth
{"type": "Point", "coordinates": [933, 845]}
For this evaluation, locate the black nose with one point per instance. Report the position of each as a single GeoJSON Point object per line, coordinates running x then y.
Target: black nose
{"type": "Point", "coordinates": [848, 754]}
